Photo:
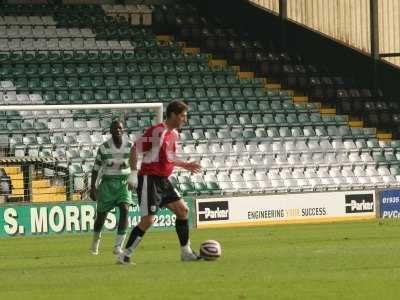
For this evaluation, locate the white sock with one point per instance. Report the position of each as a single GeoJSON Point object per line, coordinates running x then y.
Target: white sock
{"type": "Point", "coordinates": [120, 240]}
{"type": "Point", "coordinates": [187, 248]}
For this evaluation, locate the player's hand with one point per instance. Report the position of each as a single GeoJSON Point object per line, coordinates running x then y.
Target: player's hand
{"type": "Point", "coordinates": [193, 167]}
{"type": "Point", "coordinates": [93, 194]}
{"type": "Point", "coordinates": [133, 180]}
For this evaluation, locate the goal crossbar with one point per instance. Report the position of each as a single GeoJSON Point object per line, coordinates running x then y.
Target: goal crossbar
{"type": "Point", "coordinates": [158, 107]}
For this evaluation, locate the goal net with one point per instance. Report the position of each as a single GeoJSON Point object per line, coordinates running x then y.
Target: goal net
{"type": "Point", "coordinates": [47, 151]}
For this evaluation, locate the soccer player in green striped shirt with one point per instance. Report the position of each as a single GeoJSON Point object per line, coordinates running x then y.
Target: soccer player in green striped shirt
{"type": "Point", "coordinates": [113, 160]}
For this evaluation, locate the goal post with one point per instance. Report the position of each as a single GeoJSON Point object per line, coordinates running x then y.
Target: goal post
{"type": "Point", "coordinates": [47, 151]}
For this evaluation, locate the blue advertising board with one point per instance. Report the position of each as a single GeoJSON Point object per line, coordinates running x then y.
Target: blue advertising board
{"type": "Point", "coordinates": [390, 204]}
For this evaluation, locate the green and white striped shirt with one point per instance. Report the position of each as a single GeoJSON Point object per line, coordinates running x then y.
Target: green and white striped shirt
{"type": "Point", "coordinates": [113, 161]}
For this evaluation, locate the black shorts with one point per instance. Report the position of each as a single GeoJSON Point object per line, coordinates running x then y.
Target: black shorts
{"type": "Point", "coordinates": [155, 192]}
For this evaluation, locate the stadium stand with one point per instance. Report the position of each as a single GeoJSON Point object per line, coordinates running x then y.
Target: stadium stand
{"type": "Point", "coordinates": [250, 135]}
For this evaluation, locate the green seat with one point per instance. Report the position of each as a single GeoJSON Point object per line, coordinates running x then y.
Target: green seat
{"type": "Point", "coordinates": [280, 119]}
{"type": "Point", "coordinates": [88, 97]}
{"type": "Point", "coordinates": [304, 119]}
{"type": "Point", "coordinates": [126, 96]}
{"type": "Point", "coordinates": [123, 81]}
{"type": "Point", "coordinates": [110, 82]}
{"type": "Point", "coordinates": [46, 83]}
{"type": "Point", "coordinates": [5, 70]}
{"type": "Point", "coordinates": [62, 97]}
{"type": "Point", "coordinates": [264, 106]}
{"type": "Point", "coordinates": [151, 95]}
{"type": "Point", "coordinates": [207, 121]}
{"type": "Point", "coordinates": [276, 106]}
{"type": "Point", "coordinates": [82, 69]}
{"type": "Point", "coordinates": [268, 120]}
{"type": "Point", "coordinates": [256, 119]}
{"type": "Point", "coordinates": [228, 106]}
{"type": "Point", "coordinates": [164, 95]}
{"type": "Point", "coordinates": [160, 82]}
{"type": "Point", "coordinates": [201, 188]}
{"type": "Point", "coordinates": [273, 132]}
{"type": "Point", "coordinates": [69, 69]}
{"type": "Point", "coordinates": [21, 83]}
{"type": "Point", "coordinates": [213, 187]}
{"type": "Point", "coordinates": [100, 96]}
{"type": "Point", "coordinates": [114, 96]}
{"type": "Point", "coordinates": [147, 81]}
{"type": "Point", "coordinates": [72, 83]}
{"type": "Point", "coordinates": [184, 80]}
{"type": "Point", "coordinates": [135, 82]}
{"type": "Point", "coordinates": [32, 69]}
{"type": "Point", "coordinates": [177, 94]}
{"type": "Point", "coordinates": [252, 106]}
{"type": "Point", "coordinates": [172, 80]}
{"type": "Point", "coordinates": [75, 97]}
{"type": "Point", "coordinates": [288, 106]}
{"type": "Point", "coordinates": [245, 120]}
{"type": "Point", "coordinates": [200, 94]}
{"type": "Point", "coordinates": [208, 81]}
{"type": "Point", "coordinates": [56, 69]}
{"type": "Point", "coordinates": [187, 189]}
{"type": "Point", "coordinates": [219, 120]}
{"type": "Point", "coordinates": [232, 120]}
{"type": "Point", "coordinates": [95, 69]}
{"type": "Point", "coordinates": [85, 83]}
{"type": "Point", "coordinates": [225, 94]}
{"type": "Point", "coordinates": [49, 97]}
{"type": "Point", "coordinates": [132, 68]}
{"type": "Point", "coordinates": [216, 106]}
{"type": "Point", "coordinates": [60, 83]}
{"type": "Point", "coordinates": [316, 119]}
{"type": "Point", "coordinates": [248, 93]}
{"type": "Point", "coordinates": [139, 96]}
{"type": "Point", "coordinates": [292, 119]}
{"type": "Point", "coordinates": [196, 81]}
{"type": "Point", "coordinates": [44, 69]}
{"type": "Point", "coordinates": [107, 68]}
{"type": "Point", "coordinates": [203, 107]}
{"type": "Point", "coordinates": [212, 93]}
{"type": "Point", "coordinates": [97, 82]}
{"type": "Point", "coordinates": [119, 68]}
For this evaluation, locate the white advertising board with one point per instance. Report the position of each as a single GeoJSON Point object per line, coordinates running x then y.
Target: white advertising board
{"type": "Point", "coordinates": [285, 208]}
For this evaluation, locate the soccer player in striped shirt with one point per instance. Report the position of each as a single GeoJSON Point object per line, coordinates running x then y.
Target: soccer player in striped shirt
{"type": "Point", "coordinates": [158, 146]}
{"type": "Point", "coordinates": [113, 160]}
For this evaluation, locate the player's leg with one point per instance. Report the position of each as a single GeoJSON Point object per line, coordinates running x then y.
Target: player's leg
{"type": "Point", "coordinates": [124, 200]}
{"type": "Point", "coordinates": [180, 209]}
{"type": "Point", "coordinates": [122, 226]}
{"type": "Point", "coordinates": [148, 199]}
{"type": "Point", "coordinates": [98, 226]}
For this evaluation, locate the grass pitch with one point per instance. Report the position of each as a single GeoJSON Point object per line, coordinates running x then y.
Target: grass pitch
{"type": "Point", "coordinates": [358, 260]}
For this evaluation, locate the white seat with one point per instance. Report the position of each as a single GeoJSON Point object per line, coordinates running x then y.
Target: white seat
{"type": "Point", "coordinates": [269, 160]}
{"type": "Point", "coordinates": [256, 160]}
{"type": "Point", "coordinates": [290, 146]}
{"type": "Point", "coordinates": [239, 147]}
{"type": "Point", "coordinates": [294, 159]}
{"type": "Point", "coordinates": [231, 161]}
{"type": "Point", "coordinates": [314, 145]}
{"type": "Point", "coordinates": [318, 158]}
{"type": "Point", "coordinates": [291, 184]}
{"type": "Point", "coordinates": [224, 182]}
{"type": "Point", "coordinates": [219, 161]}
{"type": "Point", "coordinates": [307, 158]}
{"type": "Point", "coordinates": [301, 146]}
{"type": "Point", "coordinates": [202, 149]}
{"type": "Point", "coordinates": [354, 158]}
{"type": "Point", "coordinates": [281, 159]}
{"type": "Point", "coordinates": [389, 179]}
{"type": "Point", "coordinates": [243, 161]}
{"type": "Point", "coordinates": [252, 147]}
{"type": "Point", "coordinates": [238, 182]}
{"type": "Point", "coordinates": [277, 147]}
{"type": "Point", "coordinates": [286, 174]}
{"type": "Point", "coordinates": [265, 147]}
{"type": "Point", "coordinates": [342, 158]}
{"type": "Point", "coordinates": [383, 171]}
{"type": "Point", "coordinates": [359, 172]}
{"type": "Point", "coordinates": [371, 171]}
{"type": "Point", "coordinates": [366, 157]}
{"type": "Point", "coordinates": [337, 145]}
{"type": "Point", "coordinates": [215, 148]}
{"type": "Point", "coordinates": [189, 149]}
{"type": "Point", "coordinates": [349, 145]}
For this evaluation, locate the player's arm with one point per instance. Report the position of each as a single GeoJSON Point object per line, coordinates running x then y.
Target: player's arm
{"type": "Point", "coordinates": [95, 173]}
{"type": "Point", "coordinates": [190, 166]}
{"type": "Point", "coordinates": [133, 177]}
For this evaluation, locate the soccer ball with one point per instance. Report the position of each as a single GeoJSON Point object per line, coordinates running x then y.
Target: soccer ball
{"type": "Point", "coordinates": [210, 250]}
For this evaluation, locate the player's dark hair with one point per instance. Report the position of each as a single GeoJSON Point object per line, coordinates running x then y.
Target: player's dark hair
{"type": "Point", "coordinates": [176, 107]}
